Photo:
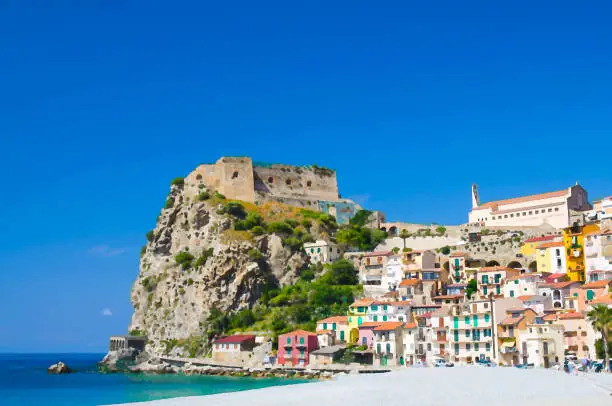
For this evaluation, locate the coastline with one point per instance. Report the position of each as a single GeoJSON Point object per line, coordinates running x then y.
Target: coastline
{"type": "Point", "coordinates": [425, 386]}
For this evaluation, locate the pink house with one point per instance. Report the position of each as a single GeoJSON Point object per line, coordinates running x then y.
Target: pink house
{"type": "Point", "coordinates": [295, 347]}
{"type": "Point", "coordinates": [366, 333]}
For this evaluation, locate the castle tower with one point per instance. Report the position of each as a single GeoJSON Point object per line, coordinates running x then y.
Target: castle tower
{"type": "Point", "coordinates": [475, 197]}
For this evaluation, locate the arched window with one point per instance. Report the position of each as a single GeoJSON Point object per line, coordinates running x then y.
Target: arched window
{"type": "Point", "coordinates": [235, 175]}
{"type": "Point", "coordinates": [309, 183]}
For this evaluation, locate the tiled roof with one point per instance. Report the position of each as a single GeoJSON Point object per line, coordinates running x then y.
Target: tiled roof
{"type": "Point", "coordinates": [335, 319]}
{"type": "Point", "coordinates": [525, 298]}
{"type": "Point", "coordinates": [551, 244]}
{"type": "Point", "coordinates": [363, 302]}
{"type": "Point", "coordinates": [378, 254]}
{"type": "Point", "coordinates": [555, 276]}
{"type": "Point", "coordinates": [596, 284]}
{"type": "Point", "coordinates": [367, 324]}
{"type": "Point", "coordinates": [235, 339]}
{"type": "Point", "coordinates": [388, 325]}
{"type": "Point", "coordinates": [299, 332]}
{"type": "Point", "coordinates": [511, 321]}
{"type": "Point", "coordinates": [539, 239]}
{"type": "Point", "coordinates": [550, 317]}
{"type": "Point", "coordinates": [459, 254]}
{"type": "Point", "coordinates": [409, 282]}
{"type": "Point", "coordinates": [549, 195]}
{"type": "Point", "coordinates": [524, 276]}
{"type": "Point", "coordinates": [410, 325]}
{"type": "Point", "coordinates": [603, 231]}
{"type": "Point", "coordinates": [324, 331]}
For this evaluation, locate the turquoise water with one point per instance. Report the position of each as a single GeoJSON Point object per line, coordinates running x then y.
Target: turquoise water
{"type": "Point", "coordinates": [24, 381]}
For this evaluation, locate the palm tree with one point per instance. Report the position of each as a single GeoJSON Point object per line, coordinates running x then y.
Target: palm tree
{"type": "Point", "coordinates": [404, 234]}
{"type": "Point", "coordinates": [601, 318]}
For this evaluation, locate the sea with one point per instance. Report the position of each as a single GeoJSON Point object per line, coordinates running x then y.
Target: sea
{"type": "Point", "coordinates": [24, 381]}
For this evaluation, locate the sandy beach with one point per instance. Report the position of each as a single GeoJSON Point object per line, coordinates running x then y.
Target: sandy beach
{"type": "Point", "coordinates": [427, 386]}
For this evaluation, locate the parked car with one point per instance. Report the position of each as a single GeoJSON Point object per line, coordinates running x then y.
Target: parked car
{"type": "Point", "coordinates": [440, 363]}
{"type": "Point", "coordinates": [525, 366]}
{"type": "Point", "coordinates": [418, 364]}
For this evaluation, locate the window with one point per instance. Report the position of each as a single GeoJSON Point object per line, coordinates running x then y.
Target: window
{"type": "Point", "coordinates": [309, 183]}
{"type": "Point", "coordinates": [288, 181]}
{"type": "Point", "coordinates": [550, 210]}
{"type": "Point", "coordinates": [384, 318]}
{"type": "Point", "coordinates": [375, 318]}
{"type": "Point", "coordinates": [505, 216]}
{"type": "Point", "coordinates": [486, 305]}
{"type": "Point", "coordinates": [288, 340]}
{"type": "Point", "coordinates": [388, 347]}
{"type": "Point", "coordinates": [374, 308]}
{"type": "Point", "coordinates": [530, 213]}
{"type": "Point", "coordinates": [456, 335]}
{"type": "Point", "coordinates": [511, 293]}
{"type": "Point", "coordinates": [537, 211]}
{"type": "Point", "coordinates": [428, 346]}
{"type": "Point", "coordinates": [301, 340]}
{"type": "Point", "coordinates": [319, 249]}
{"type": "Point", "coordinates": [334, 326]}
{"type": "Point", "coordinates": [488, 346]}
{"type": "Point", "coordinates": [512, 215]}
{"type": "Point", "coordinates": [378, 348]}
{"type": "Point", "coordinates": [270, 179]}
{"type": "Point", "coordinates": [324, 326]}
{"type": "Point", "coordinates": [468, 347]}
{"type": "Point", "coordinates": [556, 209]}
{"type": "Point", "coordinates": [384, 307]}
{"type": "Point", "coordinates": [487, 317]}
{"type": "Point", "coordinates": [467, 319]}
{"type": "Point", "coordinates": [497, 290]}
{"type": "Point", "coordinates": [467, 333]}
{"type": "Point", "coordinates": [476, 347]}
{"type": "Point", "coordinates": [493, 218]}
{"type": "Point", "coordinates": [301, 352]}
{"type": "Point", "coordinates": [484, 290]}
{"type": "Point", "coordinates": [516, 282]}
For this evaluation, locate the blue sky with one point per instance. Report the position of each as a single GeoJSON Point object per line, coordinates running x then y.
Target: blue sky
{"type": "Point", "coordinates": [411, 102]}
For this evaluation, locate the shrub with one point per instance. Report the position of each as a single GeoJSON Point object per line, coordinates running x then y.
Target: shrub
{"type": "Point", "coordinates": [169, 203]}
{"type": "Point", "coordinates": [203, 196]}
{"type": "Point", "coordinates": [180, 182]}
{"type": "Point", "coordinates": [255, 255]}
{"type": "Point", "coordinates": [395, 250]}
{"type": "Point", "coordinates": [189, 281]}
{"type": "Point", "coordinates": [258, 230]}
{"type": "Point", "coordinates": [360, 218]}
{"type": "Point", "coordinates": [219, 196]}
{"type": "Point", "coordinates": [306, 224]}
{"type": "Point", "coordinates": [307, 238]}
{"type": "Point", "coordinates": [235, 209]}
{"type": "Point", "coordinates": [253, 219]}
{"type": "Point", "coordinates": [143, 249]}
{"type": "Point", "coordinates": [150, 235]}
{"type": "Point", "coordinates": [199, 176]}
{"type": "Point", "coordinates": [445, 250]}
{"type": "Point", "coordinates": [201, 261]}
{"type": "Point", "coordinates": [136, 333]}
{"type": "Point", "coordinates": [407, 249]}
{"type": "Point", "coordinates": [184, 259]}
{"type": "Point", "coordinates": [182, 291]}
{"type": "Point", "coordinates": [441, 230]}
{"type": "Point", "coordinates": [293, 243]}
{"type": "Point", "coordinates": [240, 225]}
{"type": "Point", "coordinates": [293, 223]}
{"type": "Point", "coordinates": [280, 227]}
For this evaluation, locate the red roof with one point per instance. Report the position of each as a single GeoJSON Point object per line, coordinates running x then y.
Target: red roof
{"type": "Point", "coordinates": [510, 321]}
{"type": "Point", "coordinates": [551, 244]}
{"type": "Point", "coordinates": [559, 285]}
{"type": "Point", "coordinates": [235, 339]}
{"type": "Point", "coordinates": [597, 284]}
{"type": "Point", "coordinates": [335, 319]}
{"type": "Point", "coordinates": [368, 324]}
{"type": "Point", "coordinates": [552, 277]}
{"type": "Point", "coordinates": [549, 195]}
{"type": "Point", "coordinates": [299, 333]}
{"type": "Point", "coordinates": [607, 300]}
{"type": "Point", "coordinates": [410, 325]}
{"type": "Point", "coordinates": [459, 254]}
{"type": "Point", "coordinates": [409, 282]}
{"type": "Point", "coordinates": [570, 316]}
{"type": "Point", "coordinates": [540, 239]}
{"type": "Point", "coordinates": [389, 325]}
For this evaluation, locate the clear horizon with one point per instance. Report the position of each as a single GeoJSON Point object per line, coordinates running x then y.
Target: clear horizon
{"type": "Point", "coordinates": [410, 103]}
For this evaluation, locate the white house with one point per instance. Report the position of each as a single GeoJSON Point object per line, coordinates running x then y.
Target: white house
{"type": "Point", "coordinates": [537, 303]}
{"type": "Point", "coordinates": [234, 348]}
{"type": "Point", "coordinates": [382, 311]}
{"type": "Point", "coordinates": [522, 285]}
{"type": "Point", "coordinates": [558, 291]}
{"type": "Point", "coordinates": [388, 344]}
{"type": "Point", "coordinates": [410, 343]}
{"type": "Point", "coordinates": [394, 275]}
{"type": "Point", "coordinates": [322, 251]}
{"type": "Point", "coordinates": [598, 255]}
{"type": "Point", "coordinates": [542, 344]}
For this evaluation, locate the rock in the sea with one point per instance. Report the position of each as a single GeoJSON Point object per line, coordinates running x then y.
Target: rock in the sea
{"type": "Point", "coordinates": [121, 360]}
{"type": "Point", "coordinates": [59, 368]}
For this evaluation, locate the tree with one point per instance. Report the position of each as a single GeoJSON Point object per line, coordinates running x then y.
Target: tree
{"type": "Point", "coordinates": [403, 235]}
{"type": "Point", "coordinates": [601, 319]}
{"type": "Point", "coordinates": [445, 250]}
{"type": "Point", "coordinates": [471, 288]}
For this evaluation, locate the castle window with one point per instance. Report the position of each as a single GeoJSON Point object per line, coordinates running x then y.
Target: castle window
{"type": "Point", "coordinates": [537, 211]}
{"type": "Point", "coordinates": [235, 175]}
{"type": "Point", "coordinates": [288, 181]}
{"type": "Point", "coordinates": [493, 218]}
{"type": "Point", "coordinates": [270, 179]}
{"type": "Point", "coordinates": [550, 210]}
{"type": "Point", "coordinates": [530, 213]}
{"type": "Point", "coordinates": [556, 209]}
{"type": "Point", "coordinates": [309, 183]}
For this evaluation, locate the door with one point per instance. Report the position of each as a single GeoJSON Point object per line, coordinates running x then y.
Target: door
{"type": "Point", "coordinates": [442, 349]}
{"type": "Point", "coordinates": [342, 335]}
{"type": "Point", "coordinates": [383, 360]}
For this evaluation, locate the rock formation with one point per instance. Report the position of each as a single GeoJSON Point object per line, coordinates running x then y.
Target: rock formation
{"type": "Point", "coordinates": [59, 368]}
{"type": "Point", "coordinates": [195, 261]}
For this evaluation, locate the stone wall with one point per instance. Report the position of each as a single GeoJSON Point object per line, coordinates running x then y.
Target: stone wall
{"type": "Point", "coordinates": [230, 176]}
{"type": "Point", "coordinates": [296, 181]}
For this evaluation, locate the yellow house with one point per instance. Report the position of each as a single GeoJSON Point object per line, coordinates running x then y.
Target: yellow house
{"type": "Point", "coordinates": [357, 313]}
{"type": "Point", "coordinates": [530, 247]}
{"type": "Point", "coordinates": [573, 240]}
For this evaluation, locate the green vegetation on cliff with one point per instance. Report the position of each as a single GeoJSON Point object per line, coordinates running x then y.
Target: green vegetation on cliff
{"type": "Point", "coordinates": [296, 306]}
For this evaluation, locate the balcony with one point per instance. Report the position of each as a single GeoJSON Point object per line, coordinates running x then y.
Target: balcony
{"type": "Point", "coordinates": [506, 334]}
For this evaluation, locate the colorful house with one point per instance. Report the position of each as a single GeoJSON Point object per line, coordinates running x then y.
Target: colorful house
{"type": "Point", "coordinates": [457, 262]}
{"type": "Point", "coordinates": [234, 348]}
{"type": "Point", "coordinates": [294, 348]}
{"type": "Point", "coordinates": [550, 257]}
{"type": "Point", "coordinates": [529, 247]}
{"type": "Point", "coordinates": [598, 255]}
{"type": "Point", "coordinates": [542, 344]}
{"type": "Point", "coordinates": [366, 333]}
{"type": "Point", "coordinates": [588, 292]}
{"type": "Point", "coordinates": [573, 240]}
{"type": "Point", "coordinates": [338, 325]}
{"type": "Point", "coordinates": [559, 292]}
{"type": "Point", "coordinates": [388, 344]}
{"type": "Point", "coordinates": [491, 279]}
{"type": "Point", "coordinates": [522, 285]}
{"type": "Point", "coordinates": [508, 333]}
{"type": "Point", "coordinates": [576, 337]}
{"type": "Point", "coordinates": [357, 313]}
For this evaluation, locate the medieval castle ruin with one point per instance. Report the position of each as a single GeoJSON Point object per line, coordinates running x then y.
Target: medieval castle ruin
{"type": "Point", "coordinates": [311, 187]}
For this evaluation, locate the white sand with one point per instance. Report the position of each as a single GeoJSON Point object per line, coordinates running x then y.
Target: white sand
{"type": "Point", "coordinates": [461, 386]}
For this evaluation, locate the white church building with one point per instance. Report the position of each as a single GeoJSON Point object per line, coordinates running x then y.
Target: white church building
{"type": "Point", "coordinates": [551, 208]}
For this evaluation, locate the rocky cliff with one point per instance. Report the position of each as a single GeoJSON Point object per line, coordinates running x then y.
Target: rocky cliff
{"type": "Point", "coordinates": [196, 260]}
